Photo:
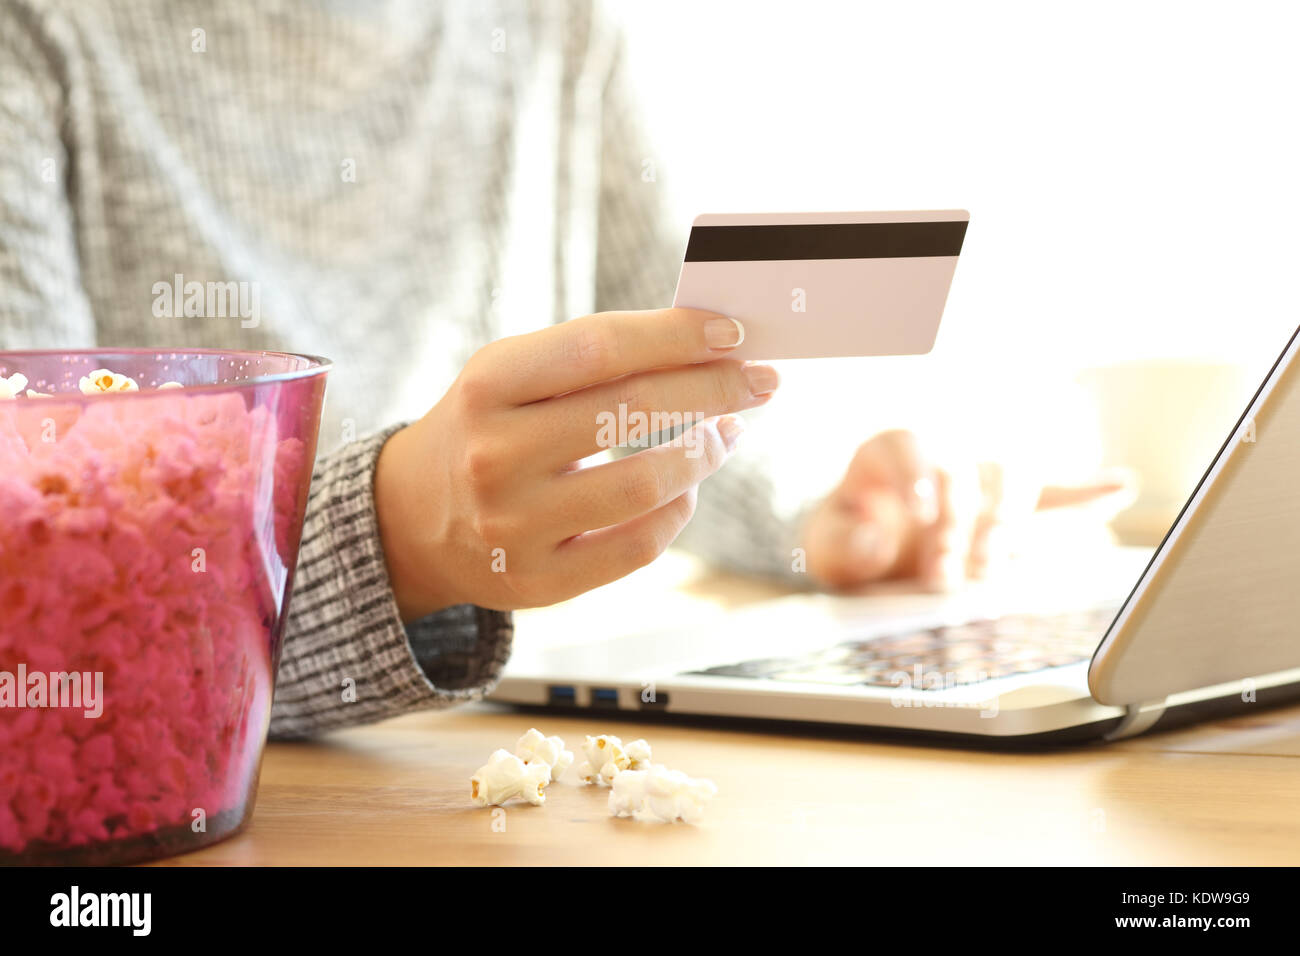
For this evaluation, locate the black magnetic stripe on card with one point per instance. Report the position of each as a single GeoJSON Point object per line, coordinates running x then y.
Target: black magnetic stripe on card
{"type": "Point", "coordinates": [826, 240]}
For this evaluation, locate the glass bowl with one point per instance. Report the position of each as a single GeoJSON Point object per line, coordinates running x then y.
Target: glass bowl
{"type": "Point", "coordinates": [148, 540]}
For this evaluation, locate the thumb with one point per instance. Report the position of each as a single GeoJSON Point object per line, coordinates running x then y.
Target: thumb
{"type": "Point", "coordinates": [854, 544]}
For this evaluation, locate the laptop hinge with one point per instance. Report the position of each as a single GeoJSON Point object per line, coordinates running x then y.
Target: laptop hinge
{"type": "Point", "coordinates": [1138, 719]}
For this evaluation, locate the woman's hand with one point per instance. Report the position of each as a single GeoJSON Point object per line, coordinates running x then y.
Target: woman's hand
{"type": "Point", "coordinates": [483, 500]}
{"type": "Point", "coordinates": [898, 515]}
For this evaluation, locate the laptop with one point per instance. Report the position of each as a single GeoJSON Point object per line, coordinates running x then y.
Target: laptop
{"type": "Point", "coordinates": [1108, 645]}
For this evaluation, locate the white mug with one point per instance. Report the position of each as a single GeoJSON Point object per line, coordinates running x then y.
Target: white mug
{"type": "Point", "coordinates": [1165, 420]}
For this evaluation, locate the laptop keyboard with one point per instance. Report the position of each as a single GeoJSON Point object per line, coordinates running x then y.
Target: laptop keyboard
{"type": "Point", "coordinates": [941, 657]}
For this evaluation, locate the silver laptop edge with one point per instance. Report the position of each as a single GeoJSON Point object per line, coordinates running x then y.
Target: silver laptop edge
{"type": "Point", "coordinates": [1212, 618]}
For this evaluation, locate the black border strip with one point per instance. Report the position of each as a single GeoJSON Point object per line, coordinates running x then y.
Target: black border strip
{"type": "Point", "coordinates": [826, 240]}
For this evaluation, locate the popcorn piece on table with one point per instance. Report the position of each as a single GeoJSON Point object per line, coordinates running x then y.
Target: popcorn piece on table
{"type": "Point", "coordinates": [660, 793]}
{"type": "Point", "coordinates": [533, 747]}
{"type": "Point", "coordinates": [627, 794]}
{"type": "Point", "coordinates": [605, 758]}
{"type": "Point", "coordinates": [101, 381]}
{"type": "Point", "coordinates": [505, 776]}
{"type": "Point", "coordinates": [12, 386]}
{"type": "Point", "coordinates": [638, 754]}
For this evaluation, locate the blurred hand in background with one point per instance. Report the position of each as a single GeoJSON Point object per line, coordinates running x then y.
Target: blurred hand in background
{"type": "Point", "coordinates": [901, 513]}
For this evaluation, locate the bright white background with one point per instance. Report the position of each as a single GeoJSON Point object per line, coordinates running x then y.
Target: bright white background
{"type": "Point", "coordinates": [1130, 168]}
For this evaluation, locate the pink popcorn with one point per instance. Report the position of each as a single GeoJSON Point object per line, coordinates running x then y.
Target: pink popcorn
{"type": "Point", "coordinates": [98, 575]}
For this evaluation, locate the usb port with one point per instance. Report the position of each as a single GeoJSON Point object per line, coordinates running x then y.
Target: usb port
{"type": "Point", "coordinates": [562, 695]}
{"type": "Point", "coordinates": [606, 697]}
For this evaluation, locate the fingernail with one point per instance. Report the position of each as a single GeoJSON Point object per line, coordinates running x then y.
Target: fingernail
{"type": "Point", "coordinates": [927, 503]}
{"type": "Point", "coordinates": [731, 427]}
{"type": "Point", "coordinates": [723, 333]}
{"type": "Point", "coordinates": [762, 379]}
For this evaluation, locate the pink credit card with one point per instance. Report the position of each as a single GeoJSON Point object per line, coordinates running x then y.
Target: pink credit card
{"type": "Point", "coordinates": [814, 285]}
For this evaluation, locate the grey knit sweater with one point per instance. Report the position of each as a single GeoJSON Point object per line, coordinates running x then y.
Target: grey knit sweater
{"type": "Point", "coordinates": [403, 182]}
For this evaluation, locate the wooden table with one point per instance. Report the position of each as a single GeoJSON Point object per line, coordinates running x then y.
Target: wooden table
{"type": "Point", "coordinates": [398, 793]}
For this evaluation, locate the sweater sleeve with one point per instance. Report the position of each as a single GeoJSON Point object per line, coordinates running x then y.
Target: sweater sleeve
{"type": "Point", "coordinates": [737, 524]}
{"type": "Point", "coordinates": [346, 658]}
{"type": "Point", "coordinates": [42, 301]}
